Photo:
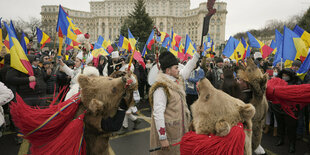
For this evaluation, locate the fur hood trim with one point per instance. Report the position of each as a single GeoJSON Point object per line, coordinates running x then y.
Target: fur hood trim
{"type": "Point", "coordinates": [163, 81]}
{"type": "Point", "coordinates": [154, 87]}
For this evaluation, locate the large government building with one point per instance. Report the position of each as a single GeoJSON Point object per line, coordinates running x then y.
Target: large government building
{"type": "Point", "coordinates": [106, 16]}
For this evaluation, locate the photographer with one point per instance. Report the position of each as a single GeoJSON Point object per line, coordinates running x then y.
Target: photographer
{"type": "Point", "coordinates": [215, 73]}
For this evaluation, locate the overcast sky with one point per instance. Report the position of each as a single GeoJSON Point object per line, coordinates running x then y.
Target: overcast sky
{"type": "Point", "coordinates": [242, 15]}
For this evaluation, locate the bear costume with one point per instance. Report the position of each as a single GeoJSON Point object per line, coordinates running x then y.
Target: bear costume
{"type": "Point", "coordinates": [257, 83]}
{"type": "Point", "coordinates": [216, 112]}
{"type": "Point", "coordinates": [113, 97]}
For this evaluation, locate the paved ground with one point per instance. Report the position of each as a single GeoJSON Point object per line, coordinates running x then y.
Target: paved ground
{"type": "Point", "coordinates": [136, 142]}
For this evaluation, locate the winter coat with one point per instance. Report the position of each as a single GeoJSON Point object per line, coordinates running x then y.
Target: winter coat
{"type": "Point", "coordinates": [3, 72]}
{"type": "Point", "coordinates": [19, 82]}
{"type": "Point", "coordinates": [6, 95]}
{"type": "Point", "coordinates": [294, 80]}
{"type": "Point", "coordinates": [51, 84]}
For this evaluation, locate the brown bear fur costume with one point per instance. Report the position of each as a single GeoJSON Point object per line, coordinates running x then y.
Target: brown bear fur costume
{"type": "Point", "coordinates": [230, 85]}
{"type": "Point", "coordinates": [101, 97]}
{"type": "Point", "coordinates": [257, 82]}
{"type": "Point", "coordinates": [217, 112]}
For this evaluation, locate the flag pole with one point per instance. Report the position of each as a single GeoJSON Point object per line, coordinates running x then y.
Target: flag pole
{"type": "Point", "coordinates": [131, 58]}
{"type": "Point", "coordinates": [156, 46]}
{"type": "Point", "coordinates": [55, 41]}
{"type": "Point", "coordinates": [281, 63]}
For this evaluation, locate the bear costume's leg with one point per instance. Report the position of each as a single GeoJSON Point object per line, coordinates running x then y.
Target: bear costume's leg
{"type": "Point", "coordinates": [257, 134]}
{"type": "Point", "coordinates": [97, 145]}
{"type": "Point", "coordinates": [248, 142]}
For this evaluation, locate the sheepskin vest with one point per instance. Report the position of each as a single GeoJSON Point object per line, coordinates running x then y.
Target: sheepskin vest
{"type": "Point", "coordinates": [177, 115]}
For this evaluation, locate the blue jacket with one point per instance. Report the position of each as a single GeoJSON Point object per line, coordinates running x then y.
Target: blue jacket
{"type": "Point", "coordinates": [200, 74]}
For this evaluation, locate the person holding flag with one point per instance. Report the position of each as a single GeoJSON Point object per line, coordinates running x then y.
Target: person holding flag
{"type": "Point", "coordinates": [19, 83]}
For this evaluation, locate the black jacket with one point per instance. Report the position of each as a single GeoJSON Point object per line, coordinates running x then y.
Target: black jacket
{"type": "Point", "coordinates": [19, 82]}
{"type": "Point", "coordinates": [3, 72]}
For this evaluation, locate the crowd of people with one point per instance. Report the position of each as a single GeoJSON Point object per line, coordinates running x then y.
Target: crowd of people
{"type": "Point", "coordinates": [52, 75]}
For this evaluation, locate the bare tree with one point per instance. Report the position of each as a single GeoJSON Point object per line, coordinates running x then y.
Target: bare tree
{"type": "Point", "coordinates": [30, 26]}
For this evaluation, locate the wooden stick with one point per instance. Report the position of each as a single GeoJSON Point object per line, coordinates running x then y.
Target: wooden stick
{"type": "Point", "coordinates": [129, 65]}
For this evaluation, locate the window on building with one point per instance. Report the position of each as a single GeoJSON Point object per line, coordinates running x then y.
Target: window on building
{"type": "Point", "coordinates": [213, 21]}
{"type": "Point", "coordinates": [161, 26]}
{"type": "Point", "coordinates": [218, 21]}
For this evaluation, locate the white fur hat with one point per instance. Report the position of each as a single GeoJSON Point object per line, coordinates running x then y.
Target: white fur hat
{"type": "Point", "coordinates": [91, 71]}
{"type": "Point", "coordinates": [226, 60]}
{"type": "Point", "coordinates": [89, 57]}
{"type": "Point", "coordinates": [257, 55]}
{"type": "Point", "coordinates": [115, 54]}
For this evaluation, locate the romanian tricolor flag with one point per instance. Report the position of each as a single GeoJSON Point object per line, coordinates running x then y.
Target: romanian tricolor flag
{"type": "Point", "coordinates": [293, 46]}
{"type": "Point", "coordinates": [239, 52]}
{"type": "Point", "coordinates": [61, 40]}
{"type": "Point", "coordinates": [273, 46]}
{"type": "Point", "coordinates": [175, 40]}
{"type": "Point", "coordinates": [247, 48]}
{"type": "Point", "coordinates": [96, 53]}
{"type": "Point", "coordinates": [144, 52]}
{"type": "Point", "coordinates": [71, 44]}
{"type": "Point", "coordinates": [42, 37]}
{"type": "Point", "coordinates": [264, 49]}
{"type": "Point", "coordinates": [138, 57]}
{"type": "Point", "coordinates": [209, 42]}
{"type": "Point", "coordinates": [124, 43]}
{"type": "Point", "coordinates": [19, 60]}
{"type": "Point", "coordinates": [166, 42]}
{"type": "Point", "coordinates": [230, 47]}
{"type": "Point", "coordinates": [66, 24]}
{"type": "Point", "coordinates": [99, 45]}
{"type": "Point", "coordinates": [279, 46]}
{"type": "Point", "coordinates": [150, 41]}
{"type": "Point", "coordinates": [66, 27]}
{"type": "Point", "coordinates": [13, 28]}
{"type": "Point", "coordinates": [107, 45]}
{"type": "Point", "coordinates": [132, 40]}
{"type": "Point", "coordinates": [174, 52]}
{"type": "Point", "coordinates": [304, 68]}
{"type": "Point", "coordinates": [304, 35]}
{"type": "Point", "coordinates": [24, 41]}
{"type": "Point", "coordinates": [162, 37]}
{"type": "Point", "coordinates": [182, 55]}
{"type": "Point", "coordinates": [189, 47]}
{"type": "Point", "coordinates": [6, 43]}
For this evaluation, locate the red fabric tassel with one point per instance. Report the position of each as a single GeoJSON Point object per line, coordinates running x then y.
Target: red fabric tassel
{"type": "Point", "coordinates": [27, 119]}
{"type": "Point", "coordinates": [279, 92]}
{"type": "Point", "coordinates": [69, 141]}
{"type": "Point", "coordinates": [232, 144]}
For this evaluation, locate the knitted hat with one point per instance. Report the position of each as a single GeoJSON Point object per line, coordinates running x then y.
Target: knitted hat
{"type": "Point", "coordinates": [32, 58]}
{"type": "Point", "coordinates": [166, 60]}
{"type": "Point", "coordinates": [218, 60]}
{"type": "Point", "coordinates": [296, 63]}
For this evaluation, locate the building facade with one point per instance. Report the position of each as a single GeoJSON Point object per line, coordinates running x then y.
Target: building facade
{"type": "Point", "coordinates": [106, 16]}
